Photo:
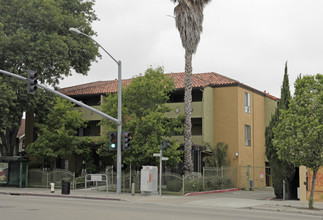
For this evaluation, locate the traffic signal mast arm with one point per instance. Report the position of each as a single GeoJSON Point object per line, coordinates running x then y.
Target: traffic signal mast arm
{"type": "Point", "coordinates": [64, 96]}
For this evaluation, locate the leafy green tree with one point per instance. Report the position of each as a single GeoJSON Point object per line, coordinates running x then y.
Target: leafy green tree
{"type": "Point", "coordinates": [8, 121]}
{"type": "Point", "coordinates": [218, 155]}
{"type": "Point", "coordinates": [280, 170]}
{"type": "Point", "coordinates": [34, 34]}
{"type": "Point", "coordinates": [57, 136]}
{"type": "Point", "coordinates": [84, 146]}
{"type": "Point", "coordinates": [189, 19]}
{"type": "Point", "coordinates": [299, 135]}
{"type": "Point", "coordinates": [143, 108]}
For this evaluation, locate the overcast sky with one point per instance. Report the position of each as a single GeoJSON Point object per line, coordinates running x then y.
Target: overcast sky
{"type": "Point", "coordinates": [247, 40]}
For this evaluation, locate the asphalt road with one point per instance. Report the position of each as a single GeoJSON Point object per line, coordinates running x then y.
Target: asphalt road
{"type": "Point", "coordinates": [46, 208]}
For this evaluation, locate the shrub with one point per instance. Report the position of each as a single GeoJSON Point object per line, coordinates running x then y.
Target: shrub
{"type": "Point", "coordinates": [174, 185]}
{"type": "Point", "coordinates": [217, 182]}
{"type": "Point", "coordinates": [195, 185]}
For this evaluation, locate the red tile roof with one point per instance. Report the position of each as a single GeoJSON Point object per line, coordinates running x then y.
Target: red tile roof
{"type": "Point", "coordinates": [199, 80]}
{"type": "Point", "coordinates": [103, 87]}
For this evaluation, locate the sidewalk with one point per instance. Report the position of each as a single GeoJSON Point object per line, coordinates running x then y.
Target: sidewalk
{"type": "Point", "coordinates": [236, 199]}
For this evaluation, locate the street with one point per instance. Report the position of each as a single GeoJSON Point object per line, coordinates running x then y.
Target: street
{"type": "Point", "coordinates": [40, 208]}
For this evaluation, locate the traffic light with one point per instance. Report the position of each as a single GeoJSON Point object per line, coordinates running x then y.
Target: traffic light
{"type": "Point", "coordinates": [112, 140]}
{"type": "Point", "coordinates": [31, 82]}
{"type": "Point", "coordinates": [126, 139]}
{"type": "Point", "coordinates": [165, 145]}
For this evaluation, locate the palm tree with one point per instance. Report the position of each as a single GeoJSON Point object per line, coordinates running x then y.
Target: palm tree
{"type": "Point", "coordinates": [218, 155]}
{"type": "Point", "coordinates": [189, 19]}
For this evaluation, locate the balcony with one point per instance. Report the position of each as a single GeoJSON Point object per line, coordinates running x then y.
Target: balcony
{"type": "Point", "coordinates": [196, 139]}
{"type": "Point", "coordinates": [178, 108]}
{"type": "Point", "coordinates": [88, 114]}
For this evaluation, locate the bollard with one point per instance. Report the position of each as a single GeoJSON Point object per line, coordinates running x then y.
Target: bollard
{"type": "Point", "coordinates": [52, 187]}
{"type": "Point", "coordinates": [132, 189]}
{"type": "Point", "coordinates": [284, 190]}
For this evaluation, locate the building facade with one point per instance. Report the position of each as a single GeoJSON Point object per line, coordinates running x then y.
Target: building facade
{"type": "Point", "coordinates": [223, 110]}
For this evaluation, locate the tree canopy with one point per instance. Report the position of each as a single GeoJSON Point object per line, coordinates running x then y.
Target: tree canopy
{"type": "Point", "coordinates": [280, 170]}
{"type": "Point", "coordinates": [34, 34]}
{"type": "Point", "coordinates": [218, 155]}
{"type": "Point", "coordinates": [299, 134]}
{"type": "Point", "coordinates": [143, 109]}
{"type": "Point", "coordinates": [57, 135]}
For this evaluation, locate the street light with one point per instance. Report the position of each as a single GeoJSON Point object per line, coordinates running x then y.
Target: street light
{"type": "Point", "coordinates": [119, 131]}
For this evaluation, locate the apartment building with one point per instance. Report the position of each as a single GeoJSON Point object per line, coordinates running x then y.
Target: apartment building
{"type": "Point", "coordinates": [223, 110]}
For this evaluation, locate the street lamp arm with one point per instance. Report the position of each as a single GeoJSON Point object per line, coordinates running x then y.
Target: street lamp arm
{"type": "Point", "coordinates": [79, 32]}
{"type": "Point", "coordinates": [119, 124]}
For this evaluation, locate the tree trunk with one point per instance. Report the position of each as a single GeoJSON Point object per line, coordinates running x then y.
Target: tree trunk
{"type": "Point", "coordinates": [188, 164]}
{"type": "Point", "coordinates": [9, 143]}
{"type": "Point", "coordinates": [311, 200]}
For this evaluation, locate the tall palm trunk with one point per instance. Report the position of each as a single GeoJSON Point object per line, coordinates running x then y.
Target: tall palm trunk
{"type": "Point", "coordinates": [189, 18]}
{"type": "Point", "coordinates": [188, 165]}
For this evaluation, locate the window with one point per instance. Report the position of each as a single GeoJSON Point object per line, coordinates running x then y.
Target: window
{"type": "Point", "coordinates": [247, 108]}
{"type": "Point", "coordinates": [196, 126]}
{"type": "Point", "coordinates": [90, 100]}
{"type": "Point", "coordinates": [92, 129]}
{"type": "Point", "coordinates": [247, 131]}
{"type": "Point", "coordinates": [197, 95]}
{"type": "Point", "coordinates": [178, 95]}
{"type": "Point", "coordinates": [62, 164]}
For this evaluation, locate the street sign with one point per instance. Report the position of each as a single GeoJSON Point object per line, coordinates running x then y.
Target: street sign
{"type": "Point", "coordinates": [156, 155]}
{"type": "Point", "coordinates": [96, 177]}
{"type": "Point", "coordinates": [164, 158]}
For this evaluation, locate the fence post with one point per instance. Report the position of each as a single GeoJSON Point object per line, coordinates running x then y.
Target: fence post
{"type": "Point", "coordinates": [130, 186]}
{"type": "Point", "coordinates": [47, 182]}
{"type": "Point", "coordinates": [183, 176]}
{"type": "Point", "coordinates": [284, 192]}
{"type": "Point", "coordinates": [222, 176]}
{"type": "Point", "coordinates": [74, 180]}
{"type": "Point", "coordinates": [203, 177]}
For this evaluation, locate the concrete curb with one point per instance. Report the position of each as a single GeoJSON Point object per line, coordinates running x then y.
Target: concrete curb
{"type": "Point", "coordinates": [292, 210]}
{"type": "Point", "coordinates": [59, 196]}
{"type": "Point", "coordinates": [214, 191]}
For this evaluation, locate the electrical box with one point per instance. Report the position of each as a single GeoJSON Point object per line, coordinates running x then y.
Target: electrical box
{"type": "Point", "coordinates": [149, 179]}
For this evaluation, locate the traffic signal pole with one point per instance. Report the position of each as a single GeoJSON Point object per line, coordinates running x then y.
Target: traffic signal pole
{"type": "Point", "coordinates": [119, 121]}
{"type": "Point", "coordinates": [119, 125]}
{"type": "Point", "coordinates": [63, 96]}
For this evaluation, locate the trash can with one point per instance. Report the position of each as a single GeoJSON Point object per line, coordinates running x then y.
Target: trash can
{"type": "Point", "coordinates": [252, 185]}
{"type": "Point", "coordinates": [66, 186]}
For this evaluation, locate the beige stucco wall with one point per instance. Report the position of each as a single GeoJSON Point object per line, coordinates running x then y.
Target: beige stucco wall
{"type": "Point", "coordinates": [302, 186]}
{"type": "Point", "coordinates": [226, 120]}
{"type": "Point", "coordinates": [178, 108]}
{"type": "Point", "coordinates": [229, 127]}
{"type": "Point", "coordinates": [208, 116]}
{"type": "Point", "coordinates": [88, 114]}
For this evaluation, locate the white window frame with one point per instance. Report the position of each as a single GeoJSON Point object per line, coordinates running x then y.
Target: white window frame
{"type": "Point", "coordinates": [247, 134]}
{"type": "Point", "coordinates": [247, 103]}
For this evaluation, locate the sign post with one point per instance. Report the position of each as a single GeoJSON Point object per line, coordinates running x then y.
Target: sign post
{"type": "Point", "coordinates": [161, 158]}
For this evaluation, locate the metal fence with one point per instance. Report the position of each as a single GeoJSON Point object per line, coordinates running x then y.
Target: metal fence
{"type": "Point", "coordinates": [219, 177]}
{"type": "Point", "coordinates": [40, 178]}
{"type": "Point", "coordinates": [212, 178]}
{"type": "Point", "coordinates": [252, 177]}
